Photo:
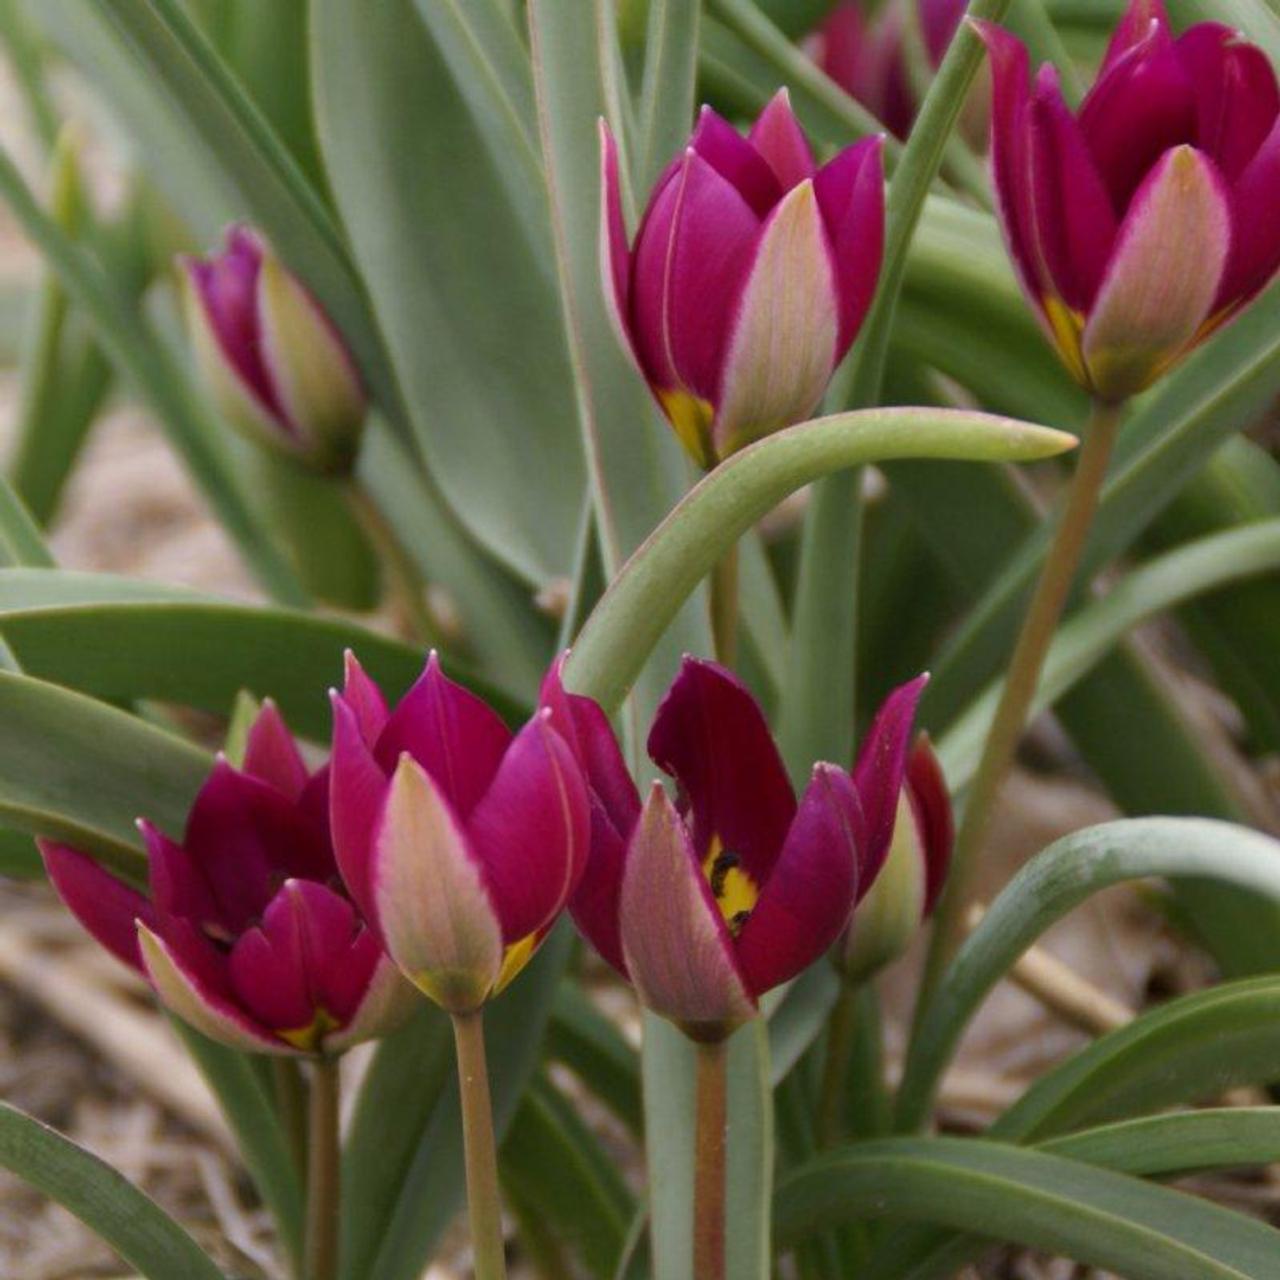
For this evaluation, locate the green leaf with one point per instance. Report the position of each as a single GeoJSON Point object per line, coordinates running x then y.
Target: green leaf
{"type": "Point", "coordinates": [1186, 1050]}
{"type": "Point", "coordinates": [635, 467]}
{"type": "Point", "coordinates": [124, 335]}
{"type": "Point", "coordinates": [1169, 580]}
{"type": "Point", "coordinates": [21, 542]}
{"type": "Point", "coordinates": [553, 1163]}
{"type": "Point", "coordinates": [581, 1038]}
{"type": "Point", "coordinates": [79, 771]}
{"type": "Point", "coordinates": [238, 1086]}
{"type": "Point", "coordinates": [644, 596]}
{"type": "Point", "coordinates": [104, 1200]}
{"type": "Point", "coordinates": [174, 91]}
{"type": "Point", "coordinates": [670, 65]}
{"type": "Point", "coordinates": [123, 639]}
{"type": "Point", "coordinates": [1058, 879]}
{"type": "Point", "coordinates": [1042, 1201]}
{"type": "Point", "coordinates": [462, 284]}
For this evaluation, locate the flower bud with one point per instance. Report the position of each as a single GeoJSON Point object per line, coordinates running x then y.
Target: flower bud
{"type": "Point", "coordinates": [460, 841]}
{"type": "Point", "coordinates": [270, 358]}
{"type": "Point", "coordinates": [749, 276]}
{"type": "Point", "coordinates": [1141, 222]}
{"type": "Point", "coordinates": [246, 933]}
{"type": "Point", "coordinates": [889, 914]}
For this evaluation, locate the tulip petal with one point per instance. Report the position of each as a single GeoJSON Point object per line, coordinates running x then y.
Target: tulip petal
{"type": "Point", "coordinates": [1237, 99]}
{"type": "Point", "coordinates": [185, 971]}
{"type": "Point", "coordinates": [220, 303]}
{"type": "Point", "coordinates": [582, 723]}
{"type": "Point", "coordinates": [272, 756]}
{"type": "Point", "coordinates": [1133, 29]}
{"type": "Point", "coordinates": [691, 256]}
{"type": "Point", "coordinates": [246, 838]}
{"type": "Point", "coordinates": [304, 970]}
{"type": "Point", "coordinates": [387, 1003]}
{"type": "Point", "coordinates": [108, 908]}
{"type": "Point", "coordinates": [531, 830]}
{"type": "Point", "coordinates": [357, 793]}
{"type": "Point", "coordinates": [615, 257]}
{"type": "Point", "coordinates": [939, 20]}
{"type": "Point", "coordinates": [1075, 224]}
{"type": "Point", "coordinates": [780, 141]}
{"type": "Point", "coordinates": [850, 191]}
{"type": "Point", "coordinates": [179, 886]}
{"type": "Point", "coordinates": [807, 899]}
{"type": "Point", "coordinates": [783, 345]}
{"type": "Point", "coordinates": [879, 771]}
{"type": "Point", "coordinates": [1255, 241]}
{"type": "Point", "coordinates": [710, 735]}
{"type": "Point", "coordinates": [436, 915]}
{"type": "Point", "coordinates": [455, 736]}
{"type": "Point", "coordinates": [1010, 161]}
{"type": "Point", "coordinates": [678, 950]}
{"type": "Point", "coordinates": [595, 904]}
{"type": "Point", "coordinates": [1163, 276]}
{"type": "Point", "coordinates": [737, 161]}
{"type": "Point", "coordinates": [1137, 110]}
{"type": "Point", "coordinates": [316, 383]}
{"type": "Point", "coordinates": [931, 802]}
{"type": "Point", "coordinates": [364, 698]}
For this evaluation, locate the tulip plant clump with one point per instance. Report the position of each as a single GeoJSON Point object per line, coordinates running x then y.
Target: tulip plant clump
{"type": "Point", "coordinates": [651, 429]}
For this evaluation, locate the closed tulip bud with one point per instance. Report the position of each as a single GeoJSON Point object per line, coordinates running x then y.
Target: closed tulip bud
{"type": "Point", "coordinates": [460, 841]}
{"type": "Point", "coordinates": [246, 933]}
{"type": "Point", "coordinates": [1143, 221]}
{"type": "Point", "coordinates": [867, 57]}
{"type": "Point", "coordinates": [707, 903]}
{"type": "Point", "coordinates": [269, 356]}
{"type": "Point", "coordinates": [902, 895]}
{"type": "Point", "coordinates": [750, 274]}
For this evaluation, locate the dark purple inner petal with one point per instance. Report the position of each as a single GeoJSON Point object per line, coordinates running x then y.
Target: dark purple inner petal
{"type": "Point", "coordinates": [737, 161]}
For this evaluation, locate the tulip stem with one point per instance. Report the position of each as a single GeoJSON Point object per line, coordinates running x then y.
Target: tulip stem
{"type": "Point", "coordinates": [320, 1254]}
{"type": "Point", "coordinates": [406, 580]}
{"type": "Point", "coordinates": [483, 1201]}
{"type": "Point", "coordinates": [841, 1027]}
{"type": "Point", "coordinates": [709, 1162]}
{"type": "Point", "coordinates": [724, 607]}
{"type": "Point", "coordinates": [1043, 612]}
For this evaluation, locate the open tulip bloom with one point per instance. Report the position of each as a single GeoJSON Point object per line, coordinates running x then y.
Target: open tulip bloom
{"type": "Point", "coordinates": [750, 274]}
{"type": "Point", "coordinates": [460, 841]}
{"type": "Point", "coordinates": [707, 903]}
{"type": "Point", "coordinates": [1144, 220]}
{"type": "Point", "coordinates": [247, 933]}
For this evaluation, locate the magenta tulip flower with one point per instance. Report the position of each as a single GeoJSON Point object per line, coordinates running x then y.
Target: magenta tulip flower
{"type": "Point", "coordinates": [749, 276]}
{"type": "Point", "coordinates": [247, 934]}
{"type": "Point", "coordinates": [707, 903]}
{"type": "Point", "coordinates": [272, 361]}
{"type": "Point", "coordinates": [1143, 221]}
{"type": "Point", "coordinates": [867, 58]}
{"type": "Point", "coordinates": [460, 841]}
{"type": "Point", "coordinates": [890, 911]}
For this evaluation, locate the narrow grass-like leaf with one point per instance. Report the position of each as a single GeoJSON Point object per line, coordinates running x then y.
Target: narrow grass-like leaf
{"type": "Point", "coordinates": [581, 1038]}
{"type": "Point", "coordinates": [455, 272]}
{"type": "Point", "coordinates": [104, 1200]}
{"type": "Point", "coordinates": [1054, 882]}
{"type": "Point", "coordinates": [670, 64]}
{"type": "Point", "coordinates": [1056, 1205]}
{"type": "Point", "coordinates": [643, 597]}
{"type": "Point", "coordinates": [1165, 582]}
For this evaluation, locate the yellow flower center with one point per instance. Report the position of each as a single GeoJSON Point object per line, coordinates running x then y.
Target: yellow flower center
{"type": "Point", "coordinates": [514, 958]}
{"type": "Point", "coordinates": [734, 890]}
{"type": "Point", "coordinates": [1068, 327]}
{"type": "Point", "coordinates": [308, 1038]}
{"type": "Point", "coordinates": [691, 416]}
